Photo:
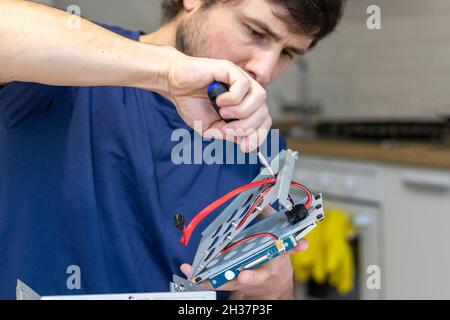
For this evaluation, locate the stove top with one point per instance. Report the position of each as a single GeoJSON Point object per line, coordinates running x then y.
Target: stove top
{"type": "Point", "coordinates": [422, 131]}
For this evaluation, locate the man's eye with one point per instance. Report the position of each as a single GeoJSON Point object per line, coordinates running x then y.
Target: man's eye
{"type": "Point", "coordinates": [288, 54]}
{"type": "Point", "coordinates": [255, 34]}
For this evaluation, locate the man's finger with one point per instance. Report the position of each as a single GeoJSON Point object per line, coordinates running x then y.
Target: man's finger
{"type": "Point", "coordinates": [257, 137]}
{"type": "Point", "coordinates": [249, 130]}
{"type": "Point", "coordinates": [252, 102]}
{"type": "Point", "coordinates": [302, 245]}
{"type": "Point", "coordinates": [254, 277]}
{"type": "Point", "coordinates": [251, 123]}
{"type": "Point", "coordinates": [186, 269]}
{"type": "Point", "coordinates": [238, 81]}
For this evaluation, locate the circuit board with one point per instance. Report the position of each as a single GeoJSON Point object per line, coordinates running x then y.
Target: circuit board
{"type": "Point", "coordinates": [227, 266]}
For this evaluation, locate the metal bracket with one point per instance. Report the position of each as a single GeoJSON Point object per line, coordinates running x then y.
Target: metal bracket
{"type": "Point", "coordinates": [180, 284]}
{"type": "Point", "coordinates": [284, 179]}
{"type": "Point", "coordinates": [24, 292]}
{"type": "Point", "coordinates": [179, 291]}
{"type": "Point", "coordinates": [227, 226]}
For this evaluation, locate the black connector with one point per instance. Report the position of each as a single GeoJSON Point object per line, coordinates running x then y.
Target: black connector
{"type": "Point", "coordinates": [179, 221]}
{"type": "Point", "coordinates": [297, 214]}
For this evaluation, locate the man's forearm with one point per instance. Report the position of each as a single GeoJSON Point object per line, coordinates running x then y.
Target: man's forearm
{"type": "Point", "coordinates": [37, 44]}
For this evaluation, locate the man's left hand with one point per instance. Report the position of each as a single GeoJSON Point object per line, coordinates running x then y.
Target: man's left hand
{"type": "Point", "coordinates": [273, 280]}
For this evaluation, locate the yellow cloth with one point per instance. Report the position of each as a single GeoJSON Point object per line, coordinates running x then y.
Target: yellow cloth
{"type": "Point", "coordinates": [330, 255]}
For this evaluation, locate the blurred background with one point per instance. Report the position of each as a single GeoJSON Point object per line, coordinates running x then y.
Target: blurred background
{"type": "Point", "coordinates": [369, 112]}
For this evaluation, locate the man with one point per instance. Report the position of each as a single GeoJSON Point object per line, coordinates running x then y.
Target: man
{"type": "Point", "coordinates": [88, 189]}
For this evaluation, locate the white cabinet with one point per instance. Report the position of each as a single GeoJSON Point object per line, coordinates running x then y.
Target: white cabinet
{"type": "Point", "coordinates": [416, 233]}
{"type": "Point", "coordinates": [409, 238]}
{"type": "Point", "coordinates": [355, 188]}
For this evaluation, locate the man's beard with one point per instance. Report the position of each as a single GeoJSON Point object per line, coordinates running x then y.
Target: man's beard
{"type": "Point", "coordinates": [191, 35]}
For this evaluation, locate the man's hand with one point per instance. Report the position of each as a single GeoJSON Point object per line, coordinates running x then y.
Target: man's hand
{"type": "Point", "coordinates": [95, 56]}
{"type": "Point", "coordinates": [272, 281]}
{"type": "Point", "coordinates": [188, 80]}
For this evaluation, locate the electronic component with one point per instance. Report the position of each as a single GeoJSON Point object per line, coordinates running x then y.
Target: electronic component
{"type": "Point", "coordinates": [249, 202]}
{"type": "Point", "coordinates": [262, 249]}
{"type": "Point", "coordinates": [297, 214]}
{"type": "Point", "coordinates": [227, 247]}
{"type": "Point", "coordinates": [179, 221]}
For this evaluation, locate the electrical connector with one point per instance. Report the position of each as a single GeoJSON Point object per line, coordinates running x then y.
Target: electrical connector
{"type": "Point", "coordinates": [179, 221]}
{"type": "Point", "coordinates": [297, 214]}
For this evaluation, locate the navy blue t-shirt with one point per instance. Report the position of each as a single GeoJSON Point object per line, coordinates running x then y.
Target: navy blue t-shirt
{"type": "Point", "coordinates": [88, 187]}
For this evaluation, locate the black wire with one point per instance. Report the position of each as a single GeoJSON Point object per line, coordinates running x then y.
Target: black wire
{"type": "Point", "coordinates": [290, 199]}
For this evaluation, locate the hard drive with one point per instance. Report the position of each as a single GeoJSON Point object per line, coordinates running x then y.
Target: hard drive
{"type": "Point", "coordinates": [233, 242]}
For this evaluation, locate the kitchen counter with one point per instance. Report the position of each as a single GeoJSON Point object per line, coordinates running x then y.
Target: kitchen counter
{"type": "Point", "coordinates": [411, 154]}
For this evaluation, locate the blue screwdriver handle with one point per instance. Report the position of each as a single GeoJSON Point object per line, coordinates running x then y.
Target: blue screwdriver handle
{"type": "Point", "coordinates": [214, 91]}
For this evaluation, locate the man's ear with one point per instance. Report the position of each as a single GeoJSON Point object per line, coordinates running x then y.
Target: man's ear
{"type": "Point", "coordinates": [190, 5]}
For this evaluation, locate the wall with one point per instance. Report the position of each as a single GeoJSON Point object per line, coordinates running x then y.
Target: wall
{"type": "Point", "coordinates": [402, 70]}
{"type": "Point", "coordinates": [133, 14]}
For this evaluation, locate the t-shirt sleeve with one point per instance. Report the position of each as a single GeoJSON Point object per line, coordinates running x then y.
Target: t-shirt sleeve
{"type": "Point", "coordinates": [22, 102]}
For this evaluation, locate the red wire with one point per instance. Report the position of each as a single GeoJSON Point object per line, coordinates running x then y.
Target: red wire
{"type": "Point", "coordinates": [248, 239]}
{"type": "Point", "coordinates": [257, 202]}
{"type": "Point", "coordinates": [308, 202]}
{"type": "Point", "coordinates": [187, 231]}
{"type": "Point", "coordinates": [307, 205]}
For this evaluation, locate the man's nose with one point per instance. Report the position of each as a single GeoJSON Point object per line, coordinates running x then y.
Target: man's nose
{"type": "Point", "coordinates": [262, 66]}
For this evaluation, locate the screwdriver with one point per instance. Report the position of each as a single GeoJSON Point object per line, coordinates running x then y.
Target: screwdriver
{"type": "Point", "coordinates": [214, 91]}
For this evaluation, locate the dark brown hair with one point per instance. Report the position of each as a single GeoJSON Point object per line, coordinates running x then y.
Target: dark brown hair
{"type": "Point", "coordinates": [316, 18]}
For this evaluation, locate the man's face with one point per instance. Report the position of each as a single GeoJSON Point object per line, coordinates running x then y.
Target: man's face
{"type": "Point", "coordinates": [249, 33]}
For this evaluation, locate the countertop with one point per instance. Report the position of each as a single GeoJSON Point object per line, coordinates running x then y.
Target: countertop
{"type": "Point", "coordinates": [411, 154]}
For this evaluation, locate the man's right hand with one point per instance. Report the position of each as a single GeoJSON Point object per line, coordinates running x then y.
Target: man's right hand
{"type": "Point", "coordinates": [188, 80]}
{"type": "Point", "coordinates": [53, 53]}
